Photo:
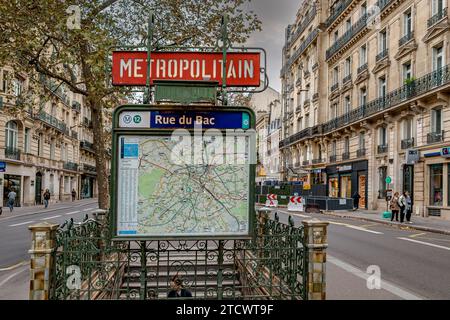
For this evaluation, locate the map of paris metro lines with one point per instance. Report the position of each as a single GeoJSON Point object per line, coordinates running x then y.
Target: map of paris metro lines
{"type": "Point", "coordinates": [171, 187]}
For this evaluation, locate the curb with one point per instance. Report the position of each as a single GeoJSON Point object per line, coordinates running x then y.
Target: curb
{"type": "Point", "coordinates": [399, 226]}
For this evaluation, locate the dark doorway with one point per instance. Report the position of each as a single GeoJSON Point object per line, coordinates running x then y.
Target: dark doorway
{"type": "Point", "coordinates": [408, 179]}
{"type": "Point", "coordinates": [12, 182]}
{"type": "Point", "coordinates": [38, 188]}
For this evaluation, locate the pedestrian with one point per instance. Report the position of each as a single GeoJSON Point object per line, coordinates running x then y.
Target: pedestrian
{"type": "Point", "coordinates": [356, 198]}
{"type": "Point", "coordinates": [11, 199]}
{"type": "Point", "coordinates": [395, 207]}
{"type": "Point", "coordinates": [408, 209]}
{"type": "Point", "coordinates": [74, 194]}
{"type": "Point", "coordinates": [178, 290]}
{"type": "Point", "coordinates": [46, 197]}
{"type": "Point", "coordinates": [402, 203]}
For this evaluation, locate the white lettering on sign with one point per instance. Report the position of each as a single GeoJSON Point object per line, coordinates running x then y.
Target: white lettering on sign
{"type": "Point", "coordinates": [124, 66]}
{"type": "Point", "coordinates": [137, 68]}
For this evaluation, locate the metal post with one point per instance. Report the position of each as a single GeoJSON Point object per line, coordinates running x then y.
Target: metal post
{"type": "Point", "coordinates": [220, 271]}
{"type": "Point", "coordinates": [224, 59]}
{"type": "Point", "coordinates": [143, 278]}
{"type": "Point", "coordinates": [147, 97]}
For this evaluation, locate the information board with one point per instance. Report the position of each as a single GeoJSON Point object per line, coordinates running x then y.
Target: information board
{"type": "Point", "coordinates": [173, 180]}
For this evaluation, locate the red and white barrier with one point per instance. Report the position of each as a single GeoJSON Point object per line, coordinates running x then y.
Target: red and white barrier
{"type": "Point", "coordinates": [272, 200]}
{"type": "Point", "coordinates": [295, 204]}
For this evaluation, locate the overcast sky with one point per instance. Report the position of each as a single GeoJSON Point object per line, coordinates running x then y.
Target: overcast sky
{"type": "Point", "coordinates": [275, 16]}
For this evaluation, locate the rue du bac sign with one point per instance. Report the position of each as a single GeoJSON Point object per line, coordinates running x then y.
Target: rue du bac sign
{"type": "Point", "coordinates": [129, 68]}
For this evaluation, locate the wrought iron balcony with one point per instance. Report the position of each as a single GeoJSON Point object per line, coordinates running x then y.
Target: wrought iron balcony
{"type": "Point", "coordinates": [307, 102]}
{"type": "Point", "coordinates": [55, 88]}
{"type": "Point", "coordinates": [347, 79]}
{"type": "Point", "coordinates": [383, 148]}
{"type": "Point", "coordinates": [87, 122]}
{"type": "Point", "coordinates": [76, 106]}
{"type": "Point", "coordinates": [383, 4]}
{"type": "Point", "coordinates": [361, 152]}
{"type": "Point", "coordinates": [346, 156]}
{"type": "Point", "coordinates": [333, 159]}
{"type": "Point", "coordinates": [298, 82]}
{"type": "Point", "coordinates": [12, 153]}
{"type": "Point", "coordinates": [52, 121]}
{"type": "Point", "coordinates": [337, 10]}
{"type": "Point", "coordinates": [74, 134]}
{"type": "Point", "coordinates": [315, 96]}
{"type": "Point", "coordinates": [334, 87]}
{"type": "Point", "coordinates": [70, 166]}
{"type": "Point", "coordinates": [437, 17]}
{"type": "Point", "coordinates": [87, 146]}
{"type": "Point", "coordinates": [317, 161]}
{"type": "Point", "coordinates": [407, 143]}
{"type": "Point", "coordinates": [347, 36]}
{"type": "Point", "coordinates": [433, 137]}
{"type": "Point", "coordinates": [383, 54]}
{"type": "Point", "coordinates": [407, 37]}
{"type": "Point", "coordinates": [302, 26]}
{"type": "Point", "coordinates": [306, 74]}
{"type": "Point", "coordinates": [306, 162]}
{"type": "Point", "coordinates": [362, 68]}
{"type": "Point", "coordinates": [89, 168]}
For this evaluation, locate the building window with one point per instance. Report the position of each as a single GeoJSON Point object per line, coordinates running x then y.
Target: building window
{"type": "Point", "coordinates": [336, 35]}
{"type": "Point", "coordinates": [40, 144]}
{"type": "Point", "coordinates": [18, 86]}
{"type": "Point", "coordinates": [5, 79]}
{"type": "Point", "coordinates": [347, 104]}
{"type": "Point", "coordinates": [299, 123]}
{"type": "Point", "coordinates": [52, 149]}
{"type": "Point", "coordinates": [436, 184]}
{"type": "Point", "coordinates": [307, 125]}
{"type": "Point", "coordinates": [438, 57]}
{"type": "Point", "coordinates": [436, 6]}
{"type": "Point", "coordinates": [333, 111]}
{"type": "Point", "coordinates": [382, 136]}
{"type": "Point", "coordinates": [347, 145]}
{"type": "Point", "coordinates": [436, 120]}
{"type": "Point", "coordinates": [348, 66]}
{"type": "Point", "coordinates": [407, 71]}
{"type": "Point", "coordinates": [362, 141]}
{"type": "Point", "coordinates": [363, 9]}
{"type": "Point", "coordinates": [382, 173]}
{"type": "Point", "coordinates": [335, 75]}
{"type": "Point", "coordinates": [362, 96]}
{"type": "Point", "coordinates": [346, 186]}
{"type": "Point", "coordinates": [408, 128]}
{"type": "Point", "coordinates": [333, 148]}
{"type": "Point", "coordinates": [27, 140]}
{"type": "Point", "coordinates": [11, 134]}
{"type": "Point", "coordinates": [348, 24]}
{"type": "Point", "coordinates": [382, 87]}
{"type": "Point", "coordinates": [382, 41]}
{"type": "Point", "coordinates": [363, 55]}
{"type": "Point", "coordinates": [407, 22]}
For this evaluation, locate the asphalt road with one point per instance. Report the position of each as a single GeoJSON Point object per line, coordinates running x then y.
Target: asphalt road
{"type": "Point", "coordinates": [15, 241]}
{"type": "Point", "coordinates": [412, 264]}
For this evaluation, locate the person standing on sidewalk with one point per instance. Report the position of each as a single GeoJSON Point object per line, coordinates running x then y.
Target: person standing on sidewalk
{"type": "Point", "coordinates": [403, 204]}
{"type": "Point", "coordinates": [395, 207]}
{"type": "Point", "coordinates": [408, 207]}
{"type": "Point", "coordinates": [11, 199]}
{"type": "Point", "coordinates": [74, 195]}
{"type": "Point", "coordinates": [356, 198]}
{"type": "Point", "coordinates": [46, 197]}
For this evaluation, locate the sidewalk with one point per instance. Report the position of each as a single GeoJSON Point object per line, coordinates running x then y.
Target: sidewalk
{"type": "Point", "coordinates": [430, 224]}
{"type": "Point", "coordinates": [51, 207]}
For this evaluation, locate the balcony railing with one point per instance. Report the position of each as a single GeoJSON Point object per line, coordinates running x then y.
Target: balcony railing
{"type": "Point", "coordinates": [347, 36]}
{"type": "Point", "coordinates": [87, 122]}
{"type": "Point", "coordinates": [418, 87]}
{"type": "Point", "coordinates": [407, 37]}
{"type": "Point", "coordinates": [361, 152]}
{"type": "Point", "coordinates": [87, 145]}
{"type": "Point", "coordinates": [298, 82]}
{"type": "Point", "coordinates": [306, 73]}
{"type": "Point", "coordinates": [383, 54]}
{"type": "Point", "coordinates": [12, 153]}
{"type": "Point", "coordinates": [334, 87]}
{"type": "Point", "coordinates": [74, 134]}
{"type": "Point", "coordinates": [317, 161]}
{"type": "Point", "coordinates": [89, 168]}
{"type": "Point", "coordinates": [383, 148]}
{"type": "Point", "coordinates": [55, 88]}
{"type": "Point", "coordinates": [76, 106]}
{"type": "Point", "coordinates": [383, 4]}
{"type": "Point", "coordinates": [52, 121]}
{"type": "Point", "coordinates": [407, 143]}
{"type": "Point", "coordinates": [305, 44]}
{"type": "Point", "coordinates": [437, 17]}
{"type": "Point", "coordinates": [70, 166]}
{"type": "Point", "coordinates": [347, 79]}
{"type": "Point", "coordinates": [333, 159]}
{"type": "Point", "coordinates": [434, 137]}
{"type": "Point", "coordinates": [303, 25]}
{"type": "Point", "coordinates": [346, 156]}
{"type": "Point", "coordinates": [315, 96]}
{"type": "Point", "coordinates": [362, 68]}
{"type": "Point", "coordinates": [306, 162]}
{"type": "Point", "coordinates": [337, 10]}
{"type": "Point", "coordinates": [307, 102]}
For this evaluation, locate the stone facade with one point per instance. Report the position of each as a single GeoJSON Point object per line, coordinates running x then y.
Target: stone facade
{"type": "Point", "coordinates": [45, 145]}
{"type": "Point", "coordinates": [384, 96]}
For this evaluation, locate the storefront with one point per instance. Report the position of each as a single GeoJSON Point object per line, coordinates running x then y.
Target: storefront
{"type": "Point", "coordinates": [12, 182]}
{"type": "Point", "coordinates": [344, 179]}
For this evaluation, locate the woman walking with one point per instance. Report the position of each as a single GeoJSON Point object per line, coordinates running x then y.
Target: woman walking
{"type": "Point", "coordinates": [403, 205]}
{"type": "Point", "coordinates": [408, 209]}
{"type": "Point", "coordinates": [395, 207]}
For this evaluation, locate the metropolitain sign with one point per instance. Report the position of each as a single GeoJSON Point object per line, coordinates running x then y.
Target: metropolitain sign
{"type": "Point", "coordinates": [129, 68]}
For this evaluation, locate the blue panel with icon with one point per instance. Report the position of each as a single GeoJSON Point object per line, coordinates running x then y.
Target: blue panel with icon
{"type": "Point", "coordinates": [199, 119]}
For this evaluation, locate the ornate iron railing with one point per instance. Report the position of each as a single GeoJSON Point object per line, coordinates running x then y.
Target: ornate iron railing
{"type": "Point", "coordinates": [361, 152]}
{"type": "Point", "coordinates": [303, 25]}
{"type": "Point", "coordinates": [383, 54]}
{"type": "Point", "coordinates": [89, 168]}
{"type": "Point", "coordinates": [434, 137]}
{"type": "Point", "coordinates": [333, 159]}
{"type": "Point", "coordinates": [315, 96]}
{"type": "Point", "coordinates": [74, 134]}
{"type": "Point", "coordinates": [407, 37]}
{"type": "Point", "coordinates": [76, 106]}
{"type": "Point", "coordinates": [305, 44]}
{"type": "Point", "coordinates": [273, 265]}
{"type": "Point", "coordinates": [298, 82]}
{"type": "Point", "coordinates": [52, 121]}
{"type": "Point", "coordinates": [70, 166]}
{"type": "Point", "coordinates": [346, 156]}
{"type": "Point", "coordinates": [12, 153]}
{"type": "Point", "coordinates": [306, 162]}
{"type": "Point", "coordinates": [407, 143]}
{"type": "Point", "coordinates": [334, 87]}
{"type": "Point", "coordinates": [307, 102]}
{"type": "Point", "coordinates": [337, 10]}
{"type": "Point", "coordinates": [382, 148]}
{"type": "Point", "coordinates": [362, 68]}
{"type": "Point", "coordinates": [437, 17]}
{"type": "Point", "coordinates": [317, 161]}
{"type": "Point", "coordinates": [381, 4]}
{"type": "Point", "coordinates": [347, 79]}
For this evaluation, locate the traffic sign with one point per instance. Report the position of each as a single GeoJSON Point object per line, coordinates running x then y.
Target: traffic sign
{"type": "Point", "coordinates": [388, 180]}
{"type": "Point", "coordinates": [295, 203]}
{"type": "Point", "coordinates": [129, 68]}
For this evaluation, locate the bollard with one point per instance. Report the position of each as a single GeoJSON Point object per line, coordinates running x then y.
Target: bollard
{"type": "Point", "coordinates": [315, 244]}
{"type": "Point", "coordinates": [43, 245]}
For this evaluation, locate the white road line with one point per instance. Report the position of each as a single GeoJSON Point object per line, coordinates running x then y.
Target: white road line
{"type": "Point", "coordinates": [12, 276]}
{"type": "Point", "coordinates": [386, 285]}
{"type": "Point", "coordinates": [425, 243]}
{"type": "Point", "coordinates": [14, 266]}
{"type": "Point", "coordinates": [354, 227]}
{"type": "Point", "coordinates": [301, 215]}
{"type": "Point", "coordinates": [88, 209]}
{"type": "Point", "coordinates": [22, 223]}
{"type": "Point", "coordinates": [48, 218]}
{"type": "Point", "coordinates": [73, 212]}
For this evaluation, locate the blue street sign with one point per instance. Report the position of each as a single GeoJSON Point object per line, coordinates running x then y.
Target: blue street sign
{"type": "Point", "coordinates": [2, 166]}
{"type": "Point", "coordinates": [205, 120]}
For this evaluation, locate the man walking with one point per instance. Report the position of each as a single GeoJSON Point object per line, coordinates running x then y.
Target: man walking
{"type": "Point", "coordinates": [74, 195]}
{"type": "Point", "coordinates": [46, 197]}
{"type": "Point", "coordinates": [11, 199]}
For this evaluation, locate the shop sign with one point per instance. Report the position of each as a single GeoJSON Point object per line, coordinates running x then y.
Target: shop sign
{"type": "Point", "coordinates": [445, 152]}
{"type": "Point", "coordinates": [306, 186]}
{"type": "Point", "coordinates": [412, 156]}
{"type": "Point", "coordinates": [344, 168]}
{"type": "Point", "coordinates": [2, 166]}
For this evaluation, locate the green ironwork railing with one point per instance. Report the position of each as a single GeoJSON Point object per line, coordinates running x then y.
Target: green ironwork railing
{"type": "Point", "coordinates": [52, 121]}
{"type": "Point", "coordinates": [271, 266]}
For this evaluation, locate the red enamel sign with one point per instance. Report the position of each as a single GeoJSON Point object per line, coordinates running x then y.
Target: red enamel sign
{"type": "Point", "coordinates": [129, 68]}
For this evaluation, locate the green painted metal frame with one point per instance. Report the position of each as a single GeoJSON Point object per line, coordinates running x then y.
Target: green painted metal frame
{"type": "Point", "coordinates": [155, 132]}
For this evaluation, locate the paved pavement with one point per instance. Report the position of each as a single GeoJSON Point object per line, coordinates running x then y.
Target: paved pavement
{"type": "Point", "coordinates": [413, 264]}
{"type": "Point", "coordinates": [15, 240]}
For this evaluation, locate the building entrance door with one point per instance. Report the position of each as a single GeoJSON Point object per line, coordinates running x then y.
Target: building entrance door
{"type": "Point", "coordinates": [408, 179]}
{"type": "Point", "coordinates": [38, 189]}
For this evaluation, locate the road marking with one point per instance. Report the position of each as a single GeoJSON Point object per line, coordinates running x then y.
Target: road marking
{"type": "Point", "coordinates": [301, 215]}
{"type": "Point", "coordinates": [22, 223]}
{"type": "Point", "coordinates": [73, 212]}
{"type": "Point", "coordinates": [417, 234]}
{"type": "Point", "coordinates": [88, 209]}
{"type": "Point", "coordinates": [48, 218]}
{"type": "Point", "coordinates": [14, 266]}
{"type": "Point", "coordinates": [386, 285]}
{"type": "Point", "coordinates": [425, 243]}
{"type": "Point", "coordinates": [12, 276]}
{"type": "Point", "coordinates": [354, 227]}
